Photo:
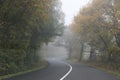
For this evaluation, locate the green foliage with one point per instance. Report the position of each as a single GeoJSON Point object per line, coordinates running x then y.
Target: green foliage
{"type": "Point", "coordinates": [24, 26]}
{"type": "Point", "coordinates": [10, 60]}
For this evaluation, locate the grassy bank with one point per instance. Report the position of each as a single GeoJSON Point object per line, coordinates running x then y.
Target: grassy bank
{"type": "Point", "coordinates": [104, 67]}
{"type": "Point", "coordinates": [38, 66]}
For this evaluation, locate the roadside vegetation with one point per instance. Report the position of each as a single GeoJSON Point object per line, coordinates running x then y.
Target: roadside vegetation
{"type": "Point", "coordinates": [24, 26]}
{"type": "Point", "coordinates": [39, 66]}
{"type": "Point", "coordinates": [95, 34]}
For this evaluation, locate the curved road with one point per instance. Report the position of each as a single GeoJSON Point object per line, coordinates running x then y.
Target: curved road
{"type": "Point", "coordinates": [59, 70]}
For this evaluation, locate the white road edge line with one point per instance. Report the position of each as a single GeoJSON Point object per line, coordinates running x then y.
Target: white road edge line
{"type": "Point", "coordinates": [67, 72]}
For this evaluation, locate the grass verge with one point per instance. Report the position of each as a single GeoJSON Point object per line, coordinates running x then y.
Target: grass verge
{"type": "Point", "coordinates": [45, 63]}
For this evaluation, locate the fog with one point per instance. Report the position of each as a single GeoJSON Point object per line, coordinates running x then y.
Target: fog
{"type": "Point", "coordinates": [53, 51]}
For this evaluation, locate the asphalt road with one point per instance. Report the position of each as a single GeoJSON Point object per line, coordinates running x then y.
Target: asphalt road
{"type": "Point", "coordinates": [83, 72]}
{"type": "Point", "coordinates": [58, 70]}
{"type": "Point", "coordinates": [54, 71]}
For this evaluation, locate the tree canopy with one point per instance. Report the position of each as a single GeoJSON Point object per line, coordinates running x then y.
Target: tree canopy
{"type": "Point", "coordinates": [24, 26]}
{"type": "Point", "coordinates": [98, 25]}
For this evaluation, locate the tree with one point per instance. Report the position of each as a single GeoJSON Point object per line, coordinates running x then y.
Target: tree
{"type": "Point", "coordinates": [98, 25]}
{"type": "Point", "coordinates": [24, 26]}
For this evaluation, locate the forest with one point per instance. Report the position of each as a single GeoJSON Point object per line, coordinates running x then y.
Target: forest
{"type": "Point", "coordinates": [92, 37]}
{"type": "Point", "coordinates": [24, 26]}
{"type": "Point", "coordinates": [95, 34]}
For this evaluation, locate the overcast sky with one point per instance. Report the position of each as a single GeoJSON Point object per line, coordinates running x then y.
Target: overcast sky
{"type": "Point", "coordinates": [71, 7]}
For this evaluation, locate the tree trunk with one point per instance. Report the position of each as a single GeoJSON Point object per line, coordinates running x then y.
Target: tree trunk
{"type": "Point", "coordinates": [81, 51]}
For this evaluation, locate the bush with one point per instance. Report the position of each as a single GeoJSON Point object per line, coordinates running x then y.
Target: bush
{"type": "Point", "coordinates": [114, 51]}
{"type": "Point", "coordinates": [11, 61]}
